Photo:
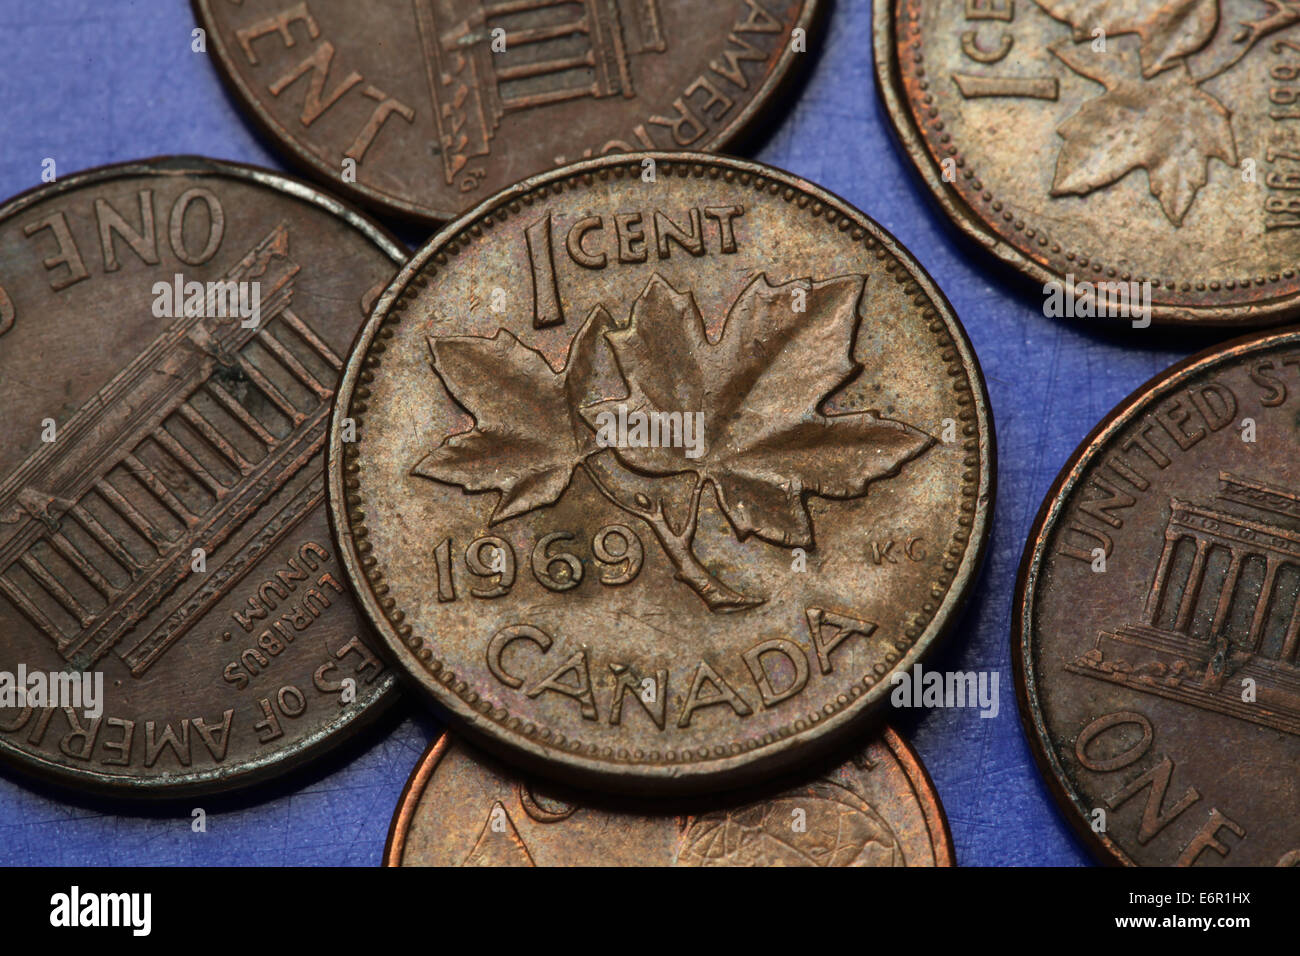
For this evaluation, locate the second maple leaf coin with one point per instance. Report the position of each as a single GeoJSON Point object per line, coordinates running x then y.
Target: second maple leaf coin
{"type": "Point", "coordinates": [653, 470]}
{"type": "Point", "coordinates": [1140, 160]}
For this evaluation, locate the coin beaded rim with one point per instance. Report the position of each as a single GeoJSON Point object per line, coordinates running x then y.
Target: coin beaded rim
{"type": "Point", "coordinates": [773, 85]}
{"type": "Point", "coordinates": [903, 121]}
{"type": "Point", "coordinates": [1024, 603]}
{"type": "Point", "coordinates": [352, 720]}
{"type": "Point", "coordinates": [672, 769]}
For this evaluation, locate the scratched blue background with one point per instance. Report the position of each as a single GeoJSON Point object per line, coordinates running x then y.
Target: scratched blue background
{"type": "Point", "coordinates": [102, 81]}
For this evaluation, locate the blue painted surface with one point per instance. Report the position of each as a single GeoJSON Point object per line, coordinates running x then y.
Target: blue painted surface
{"type": "Point", "coordinates": [99, 81]}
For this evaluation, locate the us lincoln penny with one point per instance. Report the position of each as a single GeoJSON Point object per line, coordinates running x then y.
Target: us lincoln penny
{"type": "Point", "coordinates": [424, 109]}
{"type": "Point", "coordinates": [1158, 617]}
{"type": "Point", "coordinates": [173, 614]}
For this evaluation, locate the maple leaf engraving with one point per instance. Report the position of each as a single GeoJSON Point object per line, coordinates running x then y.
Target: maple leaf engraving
{"type": "Point", "coordinates": [527, 437]}
{"type": "Point", "coordinates": [1167, 125]}
{"type": "Point", "coordinates": [1167, 30]}
{"type": "Point", "coordinates": [759, 390]}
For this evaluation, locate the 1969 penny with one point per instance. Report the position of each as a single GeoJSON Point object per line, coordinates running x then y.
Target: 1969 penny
{"type": "Point", "coordinates": [651, 470]}
{"type": "Point", "coordinates": [171, 336]}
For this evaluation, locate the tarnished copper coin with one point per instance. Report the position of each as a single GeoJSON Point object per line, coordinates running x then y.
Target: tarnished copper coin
{"type": "Point", "coordinates": [426, 108]}
{"type": "Point", "coordinates": [173, 616]}
{"type": "Point", "coordinates": [1118, 149]}
{"type": "Point", "coordinates": [461, 808]}
{"type": "Point", "coordinates": [662, 464]}
{"type": "Point", "coordinates": [1158, 617]}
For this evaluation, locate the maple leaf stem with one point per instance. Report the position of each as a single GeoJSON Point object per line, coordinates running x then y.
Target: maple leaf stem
{"type": "Point", "coordinates": [1283, 17]}
{"type": "Point", "coordinates": [687, 534]}
{"type": "Point", "coordinates": [678, 546]}
{"type": "Point", "coordinates": [1241, 54]}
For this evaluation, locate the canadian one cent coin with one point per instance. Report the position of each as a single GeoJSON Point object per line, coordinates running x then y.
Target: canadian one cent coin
{"type": "Point", "coordinates": [173, 615]}
{"type": "Point", "coordinates": [1125, 151]}
{"type": "Point", "coordinates": [1158, 617]}
{"type": "Point", "coordinates": [877, 809]}
{"type": "Point", "coordinates": [426, 108]}
{"type": "Point", "coordinates": [661, 465]}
